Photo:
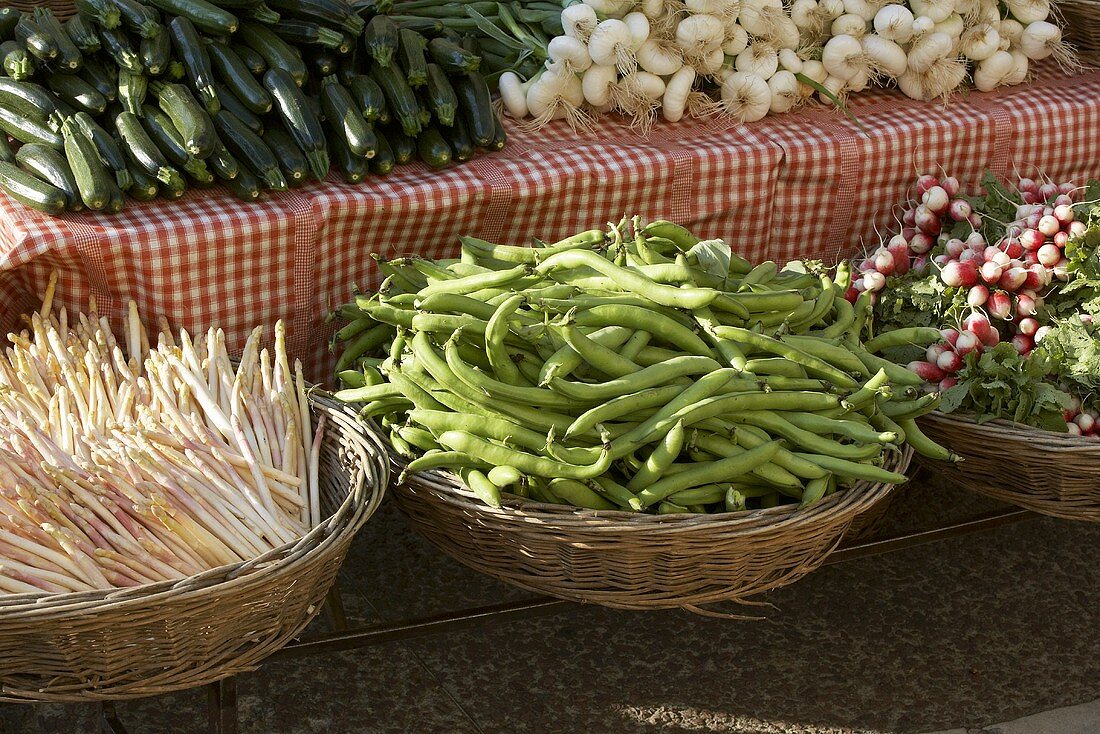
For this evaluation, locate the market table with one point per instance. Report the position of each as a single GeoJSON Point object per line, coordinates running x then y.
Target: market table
{"type": "Point", "coordinates": [806, 184]}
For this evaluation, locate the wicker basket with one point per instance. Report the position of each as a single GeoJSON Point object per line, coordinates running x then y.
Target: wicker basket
{"type": "Point", "coordinates": [173, 635]}
{"type": "Point", "coordinates": [1050, 473]}
{"type": "Point", "coordinates": [627, 560]}
{"type": "Point", "coordinates": [63, 9]}
{"type": "Point", "coordinates": [1081, 21]}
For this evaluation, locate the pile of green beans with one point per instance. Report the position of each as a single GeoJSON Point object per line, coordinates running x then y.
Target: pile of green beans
{"type": "Point", "coordinates": [625, 369]}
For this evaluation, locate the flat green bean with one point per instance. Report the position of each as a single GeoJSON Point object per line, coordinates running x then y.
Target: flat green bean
{"type": "Point", "coordinates": [530, 464]}
{"type": "Point", "coordinates": [721, 470]}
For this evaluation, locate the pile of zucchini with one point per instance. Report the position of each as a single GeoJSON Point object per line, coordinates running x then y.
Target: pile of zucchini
{"type": "Point", "coordinates": [147, 100]}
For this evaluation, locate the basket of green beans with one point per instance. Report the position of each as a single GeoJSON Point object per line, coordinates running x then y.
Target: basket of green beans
{"type": "Point", "coordinates": [631, 417]}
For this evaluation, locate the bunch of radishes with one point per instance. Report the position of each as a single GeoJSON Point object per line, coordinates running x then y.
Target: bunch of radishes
{"type": "Point", "coordinates": [1082, 420]}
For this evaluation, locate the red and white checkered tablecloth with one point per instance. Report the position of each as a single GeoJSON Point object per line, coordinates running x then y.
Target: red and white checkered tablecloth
{"type": "Point", "coordinates": [807, 184]}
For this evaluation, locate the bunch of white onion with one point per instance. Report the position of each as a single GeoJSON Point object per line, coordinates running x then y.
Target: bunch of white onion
{"type": "Point", "coordinates": [124, 462]}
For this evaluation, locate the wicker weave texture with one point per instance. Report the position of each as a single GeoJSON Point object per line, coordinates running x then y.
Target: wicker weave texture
{"type": "Point", "coordinates": [1081, 21]}
{"type": "Point", "coordinates": [1050, 473]}
{"type": "Point", "coordinates": [173, 635]}
{"type": "Point", "coordinates": [633, 561]}
{"type": "Point", "coordinates": [63, 9]}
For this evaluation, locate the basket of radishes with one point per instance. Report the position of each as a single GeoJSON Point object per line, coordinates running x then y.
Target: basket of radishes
{"type": "Point", "coordinates": [1012, 280]}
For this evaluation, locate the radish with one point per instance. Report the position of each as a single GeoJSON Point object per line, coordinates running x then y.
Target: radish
{"type": "Point", "coordinates": [926, 371]}
{"type": "Point", "coordinates": [920, 265]}
{"type": "Point", "coordinates": [967, 343]}
{"type": "Point", "coordinates": [1063, 199]}
{"type": "Point", "coordinates": [990, 272]}
{"type": "Point", "coordinates": [997, 255]}
{"type": "Point", "coordinates": [1077, 229]}
{"type": "Point", "coordinates": [951, 185]}
{"type": "Point", "coordinates": [874, 281]}
{"type": "Point", "coordinates": [1000, 305]}
{"type": "Point", "coordinates": [1067, 188]}
{"type": "Point", "coordinates": [1061, 239]}
{"type": "Point", "coordinates": [1064, 213]}
{"type": "Point", "coordinates": [948, 382]}
{"type": "Point", "coordinates": [884, 261]}
{"type": "Point", "coordinates": [1013, 248]}
{"type": "Point", "coordinates": [1048, 190]}
{"type": "Point", "coordinates": [975, 220]}
{"type": "Point", "coordinates": [1032, 221]}
{"type": "Point", "coordinates": [1031, 197]}
{"type": "Point", "coordinates": [941, 260]}
{"type": "Point", "coordinates": [978, 324]}
{"type": "Point", "coordinates": [1073, 429]}
{"type": "Point", "coordinates": [1061, 269]}
{"type": "Point", "coordinates": [909, 219]}
{"type": "Point", "coordinates": [926, 182]}
{"type": "Point", "coordinates": [1049, 225]}
{"type": "Point", "coordinates": [920, 243]}
{"type": "Point", "coordinates": [955, 247]}
{"type": "Point", "coordinates": [1032, 278]}
{"type": "Point", "coordinates": [936, 200]}
{"type": "Point", "coordinates": [852, 294]}
{"type": "Point", "coordinates": [1023, 343]}
{"type": "Point", "coordinates": [1013, 278]}
{"type": "Point", "coordinates": [950, 335]}
{"type": "Point", "coordinates": [1085, 422]}
{"type": "Point", "coordinates": [977, 296]}
{"type": "Point", "coordinates": [976, 241]}
{"type": "Point", "coordinates": [900, 255]}
{"type": "Point", "coordinates": [1031, 259]}
{"type": "Point", "coordinates": [934, 352]}
{"type": "Point", "coordinates": [960, 274]}
{"type": "Point", "coordinates": [950, 362]}
{"type": "Point", "coordinates": [959, 209]}
{"type": "Point", "coordinates": [1040, 334]}
{"type": "Point", "coordinates": [1028, 326]}
{"type": "Point", "coordinates": [867, 266]}
{"type": "Point", "coordinates": [1028, 186]}
{"type": "Point", "coordinates": [970, 256]}
{"type": "Point", "coordinates": [1049, 255]}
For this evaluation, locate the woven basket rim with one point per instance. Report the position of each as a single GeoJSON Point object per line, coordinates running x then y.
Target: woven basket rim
{"type": "Point", "coordinates": [352, 513]}
{"type": "Point", "coordinates": [1046, 441]}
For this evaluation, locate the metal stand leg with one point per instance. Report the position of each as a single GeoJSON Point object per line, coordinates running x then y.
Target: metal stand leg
{"type": "Point", "coordinates": [222, 707]}
{"type": "Point", "coordinates": [108, 719]}
{"type": "Point", "coordinates": [334, 609]}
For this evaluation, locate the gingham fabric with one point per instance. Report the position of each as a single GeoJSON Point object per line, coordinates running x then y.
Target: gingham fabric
{"type": "Point", "coordinates": [808, 184]}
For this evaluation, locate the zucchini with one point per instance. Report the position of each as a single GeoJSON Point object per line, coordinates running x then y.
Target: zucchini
{"type": "Point", "coordinates": [332, 13]}
{"type": "Point", "coordinates": [141, 19]}
{"type": "Point", "coordinates": [6, 153]}
{"type": "Point", "coordinates": [81, 34]}
{"type": "Point", "coordinates": [188, 117]}
{"type": "Point", "coordinates": [250, 149]}
{"type": "Point", "coordinates": [224, 164]}
{"type": "Point", "coordinates": [383, 161]}
{"type": "Point", "coordinates": [453, 58]}
{"type": "Point", "coordinates": [381, 39]}
{"type": "Point", "coordinates": [132, 89]}
{"type": "Point", "coordinates": [367, 95]}
{"type": "Point", "coordinates": [144, 186]}
{"type": "Point", "coordinates": [174, 188]}
{"type": "Point", "coordinates": [106, 147]}
{"type": "Point", "coordinates": [18, 63]}
{"type": "Point", "coordinates": [100, 76]}
{"type": "Point", "coordinates": [237, 77]}
{"type": "Point", "coordinates": [500, 136]}
{"type": "Point", "coordinates": [432, 148]}
{"type": "Point", "coordinates": [30, 191]}
{"type": "Point", "coordinates": [9, 16]}
{"type": "Point", "coordinates": [50, 166]}
{"type": "Point", "coordinates": [205, 16]}
{"type": "Point", "coordinates": [143, 152]}
{"type": "Point", "coordinates": [92, 179]}
{"type": "Point", "coordinates": [292, 161]}
{"type": "Point", "coordinates": [68, 57]}
{"type": "Point", "coordinates": [116, 202]}
{"type": "Point", "coordinates": [261, 14]}
{"type": "Point", "coordinates": [441, 96]}
{"type": "Point", "coordinates": [353, 168]}
{"type": "Point", "coordinates": [476, 107]}
{"type": "Point", "coordinates": [37, 41]}
{"type": "Point", "coordinates": [430, 27]}
{"type": "Point", "coordinates": [103, 12]}
{"type": "Point", "coordinates": [117, 45]}
{"type": "Point", "coordinates": [411, 57]}
{"type": "Point", "coordinates": [462, 146]}
{"type": "Point", "coordinates": [252, 60]}
{"type": "Point", "coordinates": [305, 33]}
{"type": "Point", "coordinates": [28, 100]}
{"type": "Point", "coordinates": [400, 99]}
{"type": "Point", "coordinates": [231, 103]}
{"type": "Point", "coordinates": [174, 72]}
{"type": "Point", "coordinates": [77, 93]}
{"type": "Point", "coordinates": [162, 131]}
{"type": "Point", "coordinates": [244, 186]}
{"type": "Point", "coordinates": [276, 52]}
{"type": "Point", "coordinates": [403, 146]}
{"type": "Point", "coordinates": [155, 52]}
{"type": "Point", "coordinates": [300, 120]}
{"type": "Point", "coordinates": [345, 119]}
{"type": "Point", "coordinates": [28, 131]}
{"type": "Point", "coordinates": [348, 66]}
{"type": "Point", "coordinates": [321, 62]}
{"type": "Point", "coordinates": [192, 54]}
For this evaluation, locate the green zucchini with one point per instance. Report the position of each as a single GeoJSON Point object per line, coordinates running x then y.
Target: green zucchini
{"type": "Point", "coordinates": [188, 117]}
{"type": "Point", "coordinates": [433, 148]}
{"type": "Point", "coordinates": [244, 186]}
{"type": "Point", "coordinates": [155, 52]}
{"type": "Point", "coordinates": [116, 202]}
{"type": "Point", "coordinates": [351, 167]}
{"type": "Point", "coordinates": [402, 145]}
{"type": "Point", "coordinates": [500, 136]}
{"type": "Point", "coordinates": [253, 61]}
{"type": "Point", "coordinates": [400, 99]}
{"type": "Point", "coordinates": [250, 150]}
{"type": "Point", "coordinates": [292, 161]}
{"type": "Point", "coordinates": [380, 38]}
{"type": "Point", "coordinates": [430, 27]}
{"type": "Point", "coordinates": [300, 120]}
{"type": "Point", "coordinates": [411, 57]}
{"type": "Point", "coordinates": [237, 77]}
{"type": "Point", "coordinates": [441, 96]}
{"type": "Point", "coordinates": [174, 72]}
{"type": "Point", "coordinates": [9, 16]}
{"type": "Point", "coordinates": [117, 45]}
{"type": "Point", "coordinates": [103, 12]}
{"type": "Point", "coordinates": [81, 34]}
{"type": "Point", "coordinates": [132, 89]}
{"type": "Point", "coordinates": [175, 188]}
{"type": "Point", "coordinates": [6, 153]}
{"type": "Point", "coordinates": [143, 152]}
{"type": "Point", "coordinates": [37, 41]}
{"type": "Point", "coordinates": [231, 103]}
{"type": "Point", "coordinates": [345, 119]}
{"type": "Point", "coordinates": [261, 14]}
{"type": "Point", "coordinates": [205, 16]}
{"type": "Point", "coordinates": [92, 179]}
{"type": "Point", "coordinates": [168, 139]}
{"type": "Point", "coordinates": [77, 93]}
{"type": "Point", "coordinates": [383, 161]}
{"type": "Point", "coordinates": [276, 52]}
{"type": "Point", "coordinates": [106, 147]}
{"type": "Point", "coordinates": [144, 186]}
{"type": "Point", "coordinates": [50, 166]}
{"type": "Point", "coordinates": [102, 79]}
{"type": "Point", "coordinates": [476, 107]}
{"type": "Point", "coordinates": [138, 18]}
{"type": "Point", "coordinates": [18, 63]}
{"type": "Point", "coordinates": [28, 100]}
{"type": "Point", "coordinates": [462, 146]}
{"type": "Point", "coordinates": [321, 62]}
{"type": "Point", "coordinates": [31, 191]}
{"type": "Point", "coordinates": [28, 131]}
{"type": "Point", "coordinates": [332, 13]}
{"type": "Point", "coordinates": [453, 58]}
{"type": "Point", "coordinates": [368, 96]}
{"type": "Point", "coordinates": [68, 57]}
{"type": "Point", "coordinates": [191, 52]}
{"type": "Point", "coordinates": [305, 33]}
{"type": "Point", "coordinates": [224, 164]}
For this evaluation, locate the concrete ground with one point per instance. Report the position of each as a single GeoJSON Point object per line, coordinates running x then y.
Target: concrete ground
{"type": "Point", "coordinates": [996, 632]}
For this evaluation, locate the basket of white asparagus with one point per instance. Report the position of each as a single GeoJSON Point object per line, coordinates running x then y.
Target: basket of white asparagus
{"type": "Point", "coordinates": [168, 516]}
